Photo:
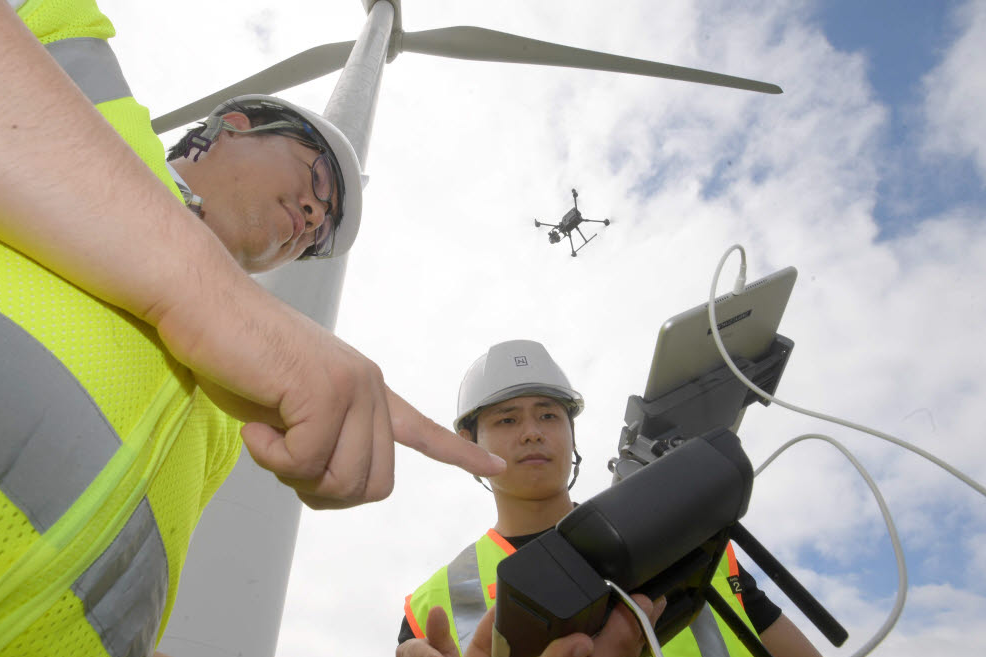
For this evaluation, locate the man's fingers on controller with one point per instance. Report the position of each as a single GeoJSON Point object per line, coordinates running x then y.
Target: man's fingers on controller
{"type": "Point", "coordinates": [414, 430]}
{"type": "Point", "coordinates": [659, 606]}
{"type": "Point", "coordinates": [622, 632]}
{"type": "Point", "coordinates": [573, 645]}
{"type": "Point", "coordinates": [646, 605]}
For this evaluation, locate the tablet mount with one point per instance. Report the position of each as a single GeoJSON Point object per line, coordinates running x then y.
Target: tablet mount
{"type": "Point", "coordinates": [662, 531]}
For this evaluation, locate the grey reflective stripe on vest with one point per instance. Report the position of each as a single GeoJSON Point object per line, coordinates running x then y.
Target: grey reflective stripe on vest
{"type": "Point", "coordinates": [92, 66]}
{"type": "Point", "coordinates": [16, 4]}
{"type": "Point", "coordinates": [466, 594]}
{"type": "Point", "coordinates": [707, 634]}
{"type": "Point", "coordinates": [124, 590]}
{"type": "Point", "coordinates": [55, 440]}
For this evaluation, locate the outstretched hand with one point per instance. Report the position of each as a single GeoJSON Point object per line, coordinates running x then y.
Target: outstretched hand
{"type": "Point", "coordinates": [318, 413]}
{"type": "Point", "coordinates": [360, 466]}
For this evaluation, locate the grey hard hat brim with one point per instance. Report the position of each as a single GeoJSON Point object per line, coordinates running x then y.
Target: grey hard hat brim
{"type": "Point", "coordinates": [514, 368]}
{"type": "Point", "coordinates": [571, 400]}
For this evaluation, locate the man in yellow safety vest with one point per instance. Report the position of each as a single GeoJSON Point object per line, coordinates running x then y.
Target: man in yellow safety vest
{"type": "Point", "coordinates": [516, 402]}
{"type": "Point", "coordinates": [134, 344]}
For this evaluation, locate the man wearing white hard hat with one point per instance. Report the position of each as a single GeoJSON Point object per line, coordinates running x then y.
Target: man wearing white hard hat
{"type": "Point", "coordinates": [243, 171]}
{"type": "Point", "coordinates": [516, 402]}
{"type": "Point", "coordinates": [138, 355]}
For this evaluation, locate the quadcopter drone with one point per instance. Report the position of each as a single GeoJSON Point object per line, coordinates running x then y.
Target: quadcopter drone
{"type": "Point", "coordinates": [570, 222]}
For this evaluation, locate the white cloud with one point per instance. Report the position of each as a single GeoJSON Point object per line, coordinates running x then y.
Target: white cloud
{"type": "Point", "coordinates": [955, 94]}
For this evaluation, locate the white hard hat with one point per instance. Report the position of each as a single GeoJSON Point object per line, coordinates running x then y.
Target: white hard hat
{"type": "Point", "coordinates": [329, 138]}
{"type": "Point", "coordinates": [513, 369]}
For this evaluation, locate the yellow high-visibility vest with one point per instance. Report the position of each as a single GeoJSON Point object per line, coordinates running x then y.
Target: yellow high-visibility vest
{"type": "Point", "coordinates": [466, 588]}
{"type": "Point", "coordinates": [110, 451]}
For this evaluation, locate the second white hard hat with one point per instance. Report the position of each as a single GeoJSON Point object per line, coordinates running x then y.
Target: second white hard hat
{"type": "Point", "coordinates": [513, 369]}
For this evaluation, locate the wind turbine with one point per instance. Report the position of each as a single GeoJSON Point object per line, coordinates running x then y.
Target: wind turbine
{"type": "Point", "coordinates": [225, 600]}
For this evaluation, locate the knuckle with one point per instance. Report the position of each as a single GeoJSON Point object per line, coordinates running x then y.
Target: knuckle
{"type": "Point", "coordinates": [380, 490]}
{"type": "Point", "coordinates": [309, 471]}
{"type": "Point", "coordinates": [371, 369]}
{"type": "Point", "coordinates": [351, 488]}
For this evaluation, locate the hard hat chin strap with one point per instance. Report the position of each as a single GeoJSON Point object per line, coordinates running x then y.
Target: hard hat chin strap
{"type": "Point", "coordinates": [482, 483]}
{"type": "Point", "coordinates": [214, 125]}
{"type": "Point", "coordinates": [575, 470]}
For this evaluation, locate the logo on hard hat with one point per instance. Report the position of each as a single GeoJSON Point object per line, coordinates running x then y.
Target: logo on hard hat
{"type": "Point", "coordinates": [520, 361]}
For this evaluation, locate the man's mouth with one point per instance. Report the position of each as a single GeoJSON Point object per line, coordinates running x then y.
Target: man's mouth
{"type": "Point", "coordinates": [297, 223]}
{"type": "Point", "coordinates": [534, 458]}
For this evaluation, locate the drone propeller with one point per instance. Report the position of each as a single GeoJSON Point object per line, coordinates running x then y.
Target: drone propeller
{"type": "Point", "coordinates": [303, 67]}
{"type": "Point", "coordinates": [464, 42]}
{"type": "Point", "coordinates": [476, 43]}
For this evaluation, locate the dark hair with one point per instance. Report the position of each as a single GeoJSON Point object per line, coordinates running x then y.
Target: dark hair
{"type": "Point", "coordinates": [257, 116]}
{"type": "Point", "coordinates": [470, 426]}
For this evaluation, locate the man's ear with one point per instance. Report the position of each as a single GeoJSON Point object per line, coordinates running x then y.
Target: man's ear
{"type": "Point", "coordinates": [238, 120]}
{"type": "Point", "coordinates": [465, 433]}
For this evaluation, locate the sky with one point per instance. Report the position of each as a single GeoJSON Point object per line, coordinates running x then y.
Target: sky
{"type": "Point", "coordinates": [868, 174]}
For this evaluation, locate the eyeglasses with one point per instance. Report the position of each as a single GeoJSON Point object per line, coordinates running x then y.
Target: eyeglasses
{"type": "Point", "coordinates": [328, 186]}
{"type": "Point", "coordinates": [327, 183]}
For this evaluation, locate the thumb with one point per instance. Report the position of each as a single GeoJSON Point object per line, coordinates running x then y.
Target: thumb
{"type": "Point", "coordinates": [266, 445]}
{"type": "Point", "coordinates": [438, 633]}
{"type": "Point", "coordinates": [414, 430]}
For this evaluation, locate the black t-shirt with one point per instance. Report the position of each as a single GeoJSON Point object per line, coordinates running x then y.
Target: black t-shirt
{"type": "Point", "coordinates": [761, 611]}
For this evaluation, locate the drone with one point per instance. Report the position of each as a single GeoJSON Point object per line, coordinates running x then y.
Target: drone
{"type": "Point", "coordinates": [570, 222]}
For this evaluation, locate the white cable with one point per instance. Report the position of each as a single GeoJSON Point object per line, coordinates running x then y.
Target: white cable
{"type": "Point", "coordinates": [898, 552]}
{"type": "Point", "coordinates": [852, 425]}
{"type": "Point", "coordinates": [898, 607]}
{"type": "Point", "coordinates": [646, 627]}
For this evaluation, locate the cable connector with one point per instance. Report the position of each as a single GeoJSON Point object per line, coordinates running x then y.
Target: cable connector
{"type": "Point", "coordinates": [739, 286]}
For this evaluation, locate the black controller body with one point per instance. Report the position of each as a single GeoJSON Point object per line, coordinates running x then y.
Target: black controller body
{"type": "Point", "coordinates": [660, 531]}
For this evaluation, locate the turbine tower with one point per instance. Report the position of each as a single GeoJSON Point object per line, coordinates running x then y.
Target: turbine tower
{"type": "Point", "coordinates": [227, 605]}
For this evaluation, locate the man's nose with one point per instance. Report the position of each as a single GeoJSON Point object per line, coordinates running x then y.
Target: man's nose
{"type": "Point", "coordinates": [314, 213]}
{"type": "Point", "coordinates": [531, 432]}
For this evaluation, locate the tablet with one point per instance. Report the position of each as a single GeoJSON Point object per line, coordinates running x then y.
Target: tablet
{"type": "Point", "coordinates": [747, 323]}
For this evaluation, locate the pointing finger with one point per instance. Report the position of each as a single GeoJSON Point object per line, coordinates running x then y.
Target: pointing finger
{"type": "Point", "coordinates": [414, 430]}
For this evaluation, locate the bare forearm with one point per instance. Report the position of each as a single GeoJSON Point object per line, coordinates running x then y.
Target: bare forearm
{"type": "Point", "coordinates": [76, 198]}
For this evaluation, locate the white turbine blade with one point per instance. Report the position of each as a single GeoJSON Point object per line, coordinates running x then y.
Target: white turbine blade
{"type": "Point", "coordinates": [308, 65]}
{"type": "Point", "coordinates": [480, 44]}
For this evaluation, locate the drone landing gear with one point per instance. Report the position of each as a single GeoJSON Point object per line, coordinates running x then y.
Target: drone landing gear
{"type": "Point", "coordinates": [585, 241]}
{"type": "Point", "coordinates": [571, 221]}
